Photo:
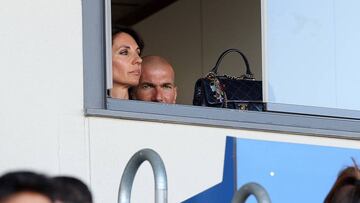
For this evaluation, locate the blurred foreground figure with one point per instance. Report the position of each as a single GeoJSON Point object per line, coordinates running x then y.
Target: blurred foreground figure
{"type": "Point", "coordinates": [25, 187]}
{"type": "Point", "coordinates": [346, 188]}
{"type": "Point", "coordinates": [71, 190]}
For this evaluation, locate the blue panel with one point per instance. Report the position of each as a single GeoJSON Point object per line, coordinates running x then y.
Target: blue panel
{"type": "Point", "coordinates": [295, 173]}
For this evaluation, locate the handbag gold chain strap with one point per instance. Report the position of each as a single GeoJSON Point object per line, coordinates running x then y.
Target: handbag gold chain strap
{"type": "Point", "coordinates": [242, 77]}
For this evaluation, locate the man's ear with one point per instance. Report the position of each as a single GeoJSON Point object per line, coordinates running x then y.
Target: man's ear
{"type": "Point", "coordinates": [175, 89]}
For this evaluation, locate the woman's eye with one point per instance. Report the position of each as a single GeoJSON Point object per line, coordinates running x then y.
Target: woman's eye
{"type": "Point", "coordinates": [123, 52]}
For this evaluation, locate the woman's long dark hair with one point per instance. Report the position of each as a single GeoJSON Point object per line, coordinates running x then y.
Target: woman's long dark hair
{"type": "Point", "coordinates": [116, 29]}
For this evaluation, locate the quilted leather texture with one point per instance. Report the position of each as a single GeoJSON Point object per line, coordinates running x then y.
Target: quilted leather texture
{"type": "Point", "coordinates": [229, 92]}
{"type": "Point", "coordinates": [241, 94]}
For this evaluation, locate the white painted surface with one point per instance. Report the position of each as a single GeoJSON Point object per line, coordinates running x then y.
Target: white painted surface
{"type": "Point", "coordinates": [193, 157]}
{"type": "Point", "coordinates": [41, 72]}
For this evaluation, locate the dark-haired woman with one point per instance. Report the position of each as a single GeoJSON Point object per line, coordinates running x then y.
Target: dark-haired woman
{"type": "Point", "coordinates": [126, 61]}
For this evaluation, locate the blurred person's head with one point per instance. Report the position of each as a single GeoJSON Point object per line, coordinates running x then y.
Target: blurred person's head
{"type": "Point", "coordinates": [346, 188]}
{"type": "Point", "coordinates": [25, 187]}
{"type": "Point", "coordinates": [126, 61]}
{"type": "Point", "coordinates": [157, 81]}
{"type": "Point", "coordinates": [71, 190]}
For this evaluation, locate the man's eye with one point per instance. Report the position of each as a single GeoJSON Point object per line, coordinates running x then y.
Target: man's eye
{"type": "Point", "coordinates": [145, 86]}
{"type": "Point", "coordinates": [167, 87]}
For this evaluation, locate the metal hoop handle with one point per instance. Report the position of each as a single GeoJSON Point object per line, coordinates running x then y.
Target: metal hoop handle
{"type": "Point", "coordinates": [131, 168]}
{"type": "Point", "coordinates": [251, 188]}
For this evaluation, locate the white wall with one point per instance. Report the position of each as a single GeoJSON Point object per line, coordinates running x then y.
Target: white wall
{"type": "Point", "coordinates": [193, 157]}
{"type": "Point", "coordinates": [41, 72]}
{"type": "Point", "coordinates": [193, 34]}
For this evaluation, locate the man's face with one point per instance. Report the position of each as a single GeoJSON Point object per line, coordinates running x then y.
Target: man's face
{"type": "Point", "coordinates": [157, 84]}
{"type": "Point", "coordinates": [27, 197]}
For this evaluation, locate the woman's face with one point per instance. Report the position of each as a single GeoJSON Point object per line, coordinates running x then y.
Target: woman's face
{"type": "Point", "coordinates": [126, 61]}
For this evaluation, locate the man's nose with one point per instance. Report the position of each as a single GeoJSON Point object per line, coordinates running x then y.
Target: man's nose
{"type": "Point", "coordinates": [159, 97]}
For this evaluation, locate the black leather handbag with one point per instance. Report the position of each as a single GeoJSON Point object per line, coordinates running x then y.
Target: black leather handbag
{"type": "Point", "coordinates": [242, 92]}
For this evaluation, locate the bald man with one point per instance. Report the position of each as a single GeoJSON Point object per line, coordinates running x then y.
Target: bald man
{"type": "Point", "coordinates": [157, 81]}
